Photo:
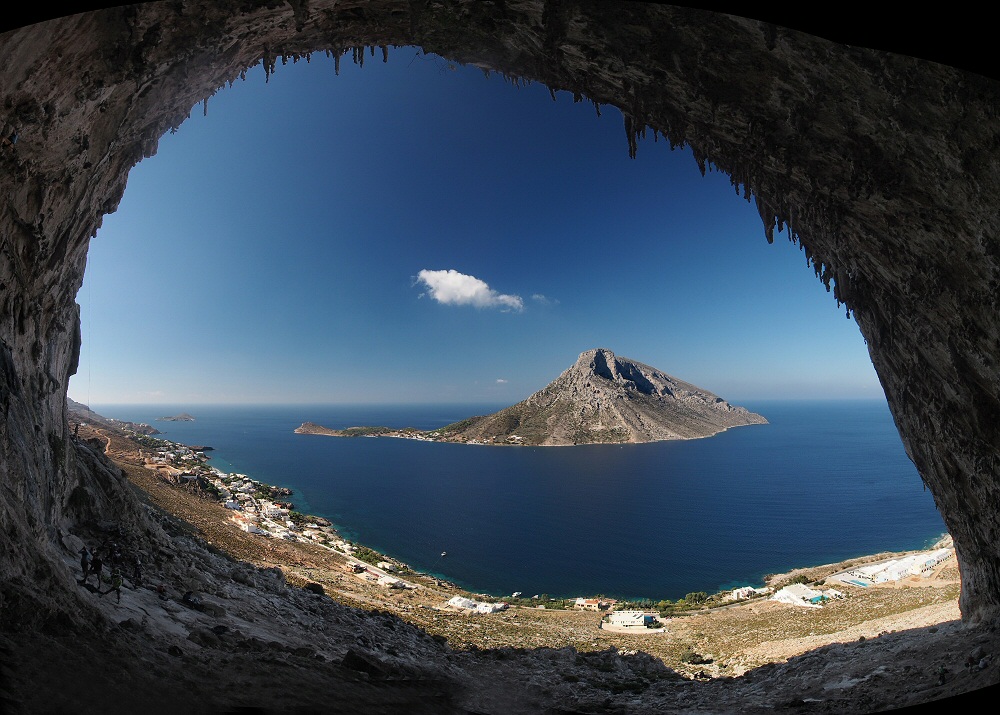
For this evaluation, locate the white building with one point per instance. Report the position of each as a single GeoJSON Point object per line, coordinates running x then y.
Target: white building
{"type": "Point", "coordinates": [931, 560]}
{"type": "Point", "coordinates": [896, 569]}
{"type": "Point", "coordinates": [631, 619]}
{"type": "Point", "coordinates": [247, 525]}
{"type": "Point", "coordinates": [272, 510]}
{"type": "Point", "coordinates": [745, 592]}
{"type": "Point", "coordinates": [476, 606]}
{"type": "Point", "coordinates": [868, 573]}
{"type": "Point", "coordinates": [490, 607]}
{"type": "Point", "coordinates": [798, 594]}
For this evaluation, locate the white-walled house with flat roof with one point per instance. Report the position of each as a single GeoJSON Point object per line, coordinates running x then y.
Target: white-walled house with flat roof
{"type": "Point", "coordinates": [798, 594]}
{"type": "Point", "coordinates": [897, 569]}
{"type": "Point", "coordinates": [746, 592]}
{"type": "Point", "coordinates": [631, 619]}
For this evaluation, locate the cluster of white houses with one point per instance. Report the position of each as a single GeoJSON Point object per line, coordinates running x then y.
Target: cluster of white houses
{"type": "Point", "coordinates": [913, 565]}
{"type": "Point", "coordinates": [256, 515]}
{"type": "Point", "coordinates": [239, 493]}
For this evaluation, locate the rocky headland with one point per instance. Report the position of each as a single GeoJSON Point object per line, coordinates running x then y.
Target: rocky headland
{"type": "Point", "coordinates": [80, 414]}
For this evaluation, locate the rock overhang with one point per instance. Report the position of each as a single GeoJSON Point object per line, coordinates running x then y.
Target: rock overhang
{"type": "Point", "coordinates": [882, 167]}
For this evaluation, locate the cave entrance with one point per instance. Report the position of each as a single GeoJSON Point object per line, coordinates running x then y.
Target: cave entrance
{"type": "Point", "coordinates": [282, 235]}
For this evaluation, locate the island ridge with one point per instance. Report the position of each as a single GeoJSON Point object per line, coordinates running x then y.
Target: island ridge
{"type": "Point", "coordinates": [602, 398]}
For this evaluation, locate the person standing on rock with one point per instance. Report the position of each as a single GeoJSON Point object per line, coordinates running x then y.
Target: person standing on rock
{"type": "Point", "coordinates": [136, 572]}
{"type": "Point", "coordinates": [115, 585]}
{"type": "Point", "coordinates": [85, 558]}
{"type": "Point", "coordinates": [96, 567]}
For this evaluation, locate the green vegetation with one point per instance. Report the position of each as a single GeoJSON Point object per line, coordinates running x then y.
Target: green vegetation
{"type": "Point", "coordinates": [300, 519]}
{"type": "Point", "coordinates": [557, 604]}
{"type": "Point", "coordinates": [365, 431]}
{"type": "Point", "coordinates": [146, 441]}
{"type": "Point", "coordinates": [368, 555]}
{"type": "Point", "coordinates": [459, 426]}
{"type": "Point", "coordinates": [693, 657]}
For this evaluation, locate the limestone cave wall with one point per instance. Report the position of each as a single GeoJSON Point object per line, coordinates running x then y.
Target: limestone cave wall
{"type": "Point", "coordinates": [883, 167]}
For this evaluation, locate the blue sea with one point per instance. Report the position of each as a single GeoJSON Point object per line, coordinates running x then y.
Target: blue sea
{"type": "Point", "coordinates": [824, 481]}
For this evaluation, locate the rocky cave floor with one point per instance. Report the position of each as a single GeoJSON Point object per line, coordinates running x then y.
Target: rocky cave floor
{"type": "Point", "coordinates": [258, 644]}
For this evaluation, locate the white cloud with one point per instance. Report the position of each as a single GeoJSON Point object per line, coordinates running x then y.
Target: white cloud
{"type": "Point", "coordinates": [501, 381]}
{"type": "Point", "coordinates": [453, 288]}
{"type": "Point", "coordinates": [544, 300]}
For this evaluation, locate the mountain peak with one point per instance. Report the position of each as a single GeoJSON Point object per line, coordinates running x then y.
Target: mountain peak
{"type": "Point", "coordinates": [604, 397]}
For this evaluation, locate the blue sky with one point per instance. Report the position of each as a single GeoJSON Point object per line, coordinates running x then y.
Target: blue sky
{"type": "Point", "coordinates": [417, 232]}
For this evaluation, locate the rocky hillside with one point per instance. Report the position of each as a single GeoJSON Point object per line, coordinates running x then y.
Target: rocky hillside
{"type": "Point", "coordinates": [607, 398]}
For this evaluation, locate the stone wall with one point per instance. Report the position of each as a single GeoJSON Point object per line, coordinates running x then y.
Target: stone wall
{"type": "Point", "coordinates": [884, 168]}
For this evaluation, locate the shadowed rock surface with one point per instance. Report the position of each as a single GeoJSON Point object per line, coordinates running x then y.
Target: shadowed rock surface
{"type": "Point", "coordinates": [606, 398]}
{"type": "Point", "coordinates": [884, 169]}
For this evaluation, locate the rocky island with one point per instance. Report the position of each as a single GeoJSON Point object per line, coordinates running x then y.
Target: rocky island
{"type": "Point", "coordinates": [602, 398]}
{"type": "Point", "coordinates": [182, 417]}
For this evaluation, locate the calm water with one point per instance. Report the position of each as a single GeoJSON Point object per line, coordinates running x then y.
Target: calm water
{"type": "Point", "coordinates": [823, 482]}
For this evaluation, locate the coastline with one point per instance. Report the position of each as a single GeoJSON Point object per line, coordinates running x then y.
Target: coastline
{"type": "Point", "coordinates": [737, 633]}
{"type": "Point", "coordinates": [347, 534]}
{"type": "Point", "coordinates": [309, 428]}
{"type": "Point", "coordinates": [737, 636]}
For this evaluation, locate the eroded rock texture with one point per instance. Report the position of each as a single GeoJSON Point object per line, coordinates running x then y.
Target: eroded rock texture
{"type": "Point", "coordinates": [884, 168]}
{"type": "Point", "coordinates": [607, 398]}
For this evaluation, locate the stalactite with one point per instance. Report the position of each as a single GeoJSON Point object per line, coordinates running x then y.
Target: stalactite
{"type": "Point", "coordinates": [385, 54]}
{"type": "Point", "coordinates": [597, 108]}
{"type": "Point", "coordinates": [767, 216]}
{"type": "Point", "coordinates": [630, 134]}
{"type": "Point", "coordinates": [699, 159]}
{"type": "Point", "coordinates": [336, 64]}
{"type": "Point", "coordinates": [268, 60]}
{"type": "Point", "coordinates": [205, 110]}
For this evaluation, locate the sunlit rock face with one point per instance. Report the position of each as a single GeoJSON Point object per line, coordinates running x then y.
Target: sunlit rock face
{"type": "Point", "coordinates": [884, 167]}
{"type": "Point", "coordinates": [606, 398]}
